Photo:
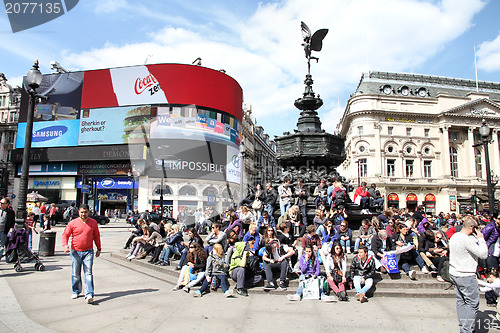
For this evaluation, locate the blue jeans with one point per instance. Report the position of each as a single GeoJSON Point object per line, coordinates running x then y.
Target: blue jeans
{"type": "Point", "coordinates": [269, 209]}
{"type": "Point", "coordinates": [467, 294]}
{"type": "Point", "coordinates": [165, 254]}
{"type": "Point", "coordinates": [366, 242]}
{"type": "Point", "coordinates": [356, 280]}
{"type": "Point", "coordinates": [415, 256]}
{"type": "Point", "coordinates": [30, 239]}
{"type": "Point", "coordinates": [223, 283]}
{"type": "Point", "coordinates": [283, 208]}
{"type": "Point", "coordinates": [3, 239]}
{"type": "Point", "coordinates": [85, 259]}
{"type": "Point", "coordinates": [346, 244]}
{"type": "Point", "coordinates": [183, 257]}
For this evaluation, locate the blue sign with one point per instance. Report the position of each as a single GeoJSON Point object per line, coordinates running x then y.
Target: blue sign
{"type": "Point", "coordinates": [211, 199]}
{"type": "Point", "coordinates": [108, 183]}
{"type": "Point", "coordinates": [58, 133]}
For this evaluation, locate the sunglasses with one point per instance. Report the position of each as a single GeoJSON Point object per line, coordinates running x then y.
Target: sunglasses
{"type": "Point", "coordinates": [191, 247]}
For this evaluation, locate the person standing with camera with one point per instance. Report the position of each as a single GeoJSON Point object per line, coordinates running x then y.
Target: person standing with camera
{"type": "Point", "coordinates": [466, 247]}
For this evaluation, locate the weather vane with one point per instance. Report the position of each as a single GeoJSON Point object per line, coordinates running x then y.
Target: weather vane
{"type": "Point", "coordinates": [312, 42]}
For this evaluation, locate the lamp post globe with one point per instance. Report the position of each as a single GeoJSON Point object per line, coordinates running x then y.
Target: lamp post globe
{"type": "Point", "coordinates": [34, 76]}
{"type": "Point", "coordinates": [484, 130]}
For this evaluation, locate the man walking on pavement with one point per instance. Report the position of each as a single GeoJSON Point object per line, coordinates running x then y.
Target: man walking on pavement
{"type": "Point", "coordinates": [466, 247]}
{"type": "Point", "coordinates": [85, 233]}
{"type": "Point", "coordinates": [7, 221]}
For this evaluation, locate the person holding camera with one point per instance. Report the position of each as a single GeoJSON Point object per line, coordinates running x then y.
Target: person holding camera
{"type": "Point", "coordinates": [466, 247]}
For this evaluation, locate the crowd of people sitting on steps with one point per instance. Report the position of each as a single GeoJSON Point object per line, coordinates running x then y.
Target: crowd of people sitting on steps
{"type": "Point", "coordinates": [249, 245]}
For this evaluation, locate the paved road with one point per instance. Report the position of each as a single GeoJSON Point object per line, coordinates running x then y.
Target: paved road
{"type": "Point", "coordinates": [129, 301]}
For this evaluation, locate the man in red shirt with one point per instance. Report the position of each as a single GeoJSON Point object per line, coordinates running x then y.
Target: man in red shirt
{"type": "Point", "coordinates": [85, 232]}
{"type": "Point", "coordinates": [364, 198]}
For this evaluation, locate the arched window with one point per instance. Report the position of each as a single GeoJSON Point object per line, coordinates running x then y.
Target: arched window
{"type": "Point", "coordinates": [167, 190]}
{"type": "Point", "coordinates": [454, 162]}
{"type": "Point", "coordinates": [187, 190]}
{"type": "Point", "coordinates": [210, 190]}
{"type": "Point", "coordinates": [479, 162]}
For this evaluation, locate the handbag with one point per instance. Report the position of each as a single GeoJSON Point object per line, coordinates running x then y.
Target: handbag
{"type": "Point", "coordinates": [310, 288]}
{"type": "Point", "coordinates": [257, 204]}
{"type": "Point", "coordinates": [337, 276]}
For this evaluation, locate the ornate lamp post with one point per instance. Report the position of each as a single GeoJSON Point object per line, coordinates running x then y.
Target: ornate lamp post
{"type": "Point", "coordinates": [33, 80]}
{"type": "Point", "coordinates": [484, 131]}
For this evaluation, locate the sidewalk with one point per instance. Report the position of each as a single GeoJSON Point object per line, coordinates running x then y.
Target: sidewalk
{"type": "Point", "coordinates": [128, 300]}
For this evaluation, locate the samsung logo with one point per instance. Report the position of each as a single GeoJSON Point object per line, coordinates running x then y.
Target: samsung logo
{"type": "Point", "coordinates": [49, 133]}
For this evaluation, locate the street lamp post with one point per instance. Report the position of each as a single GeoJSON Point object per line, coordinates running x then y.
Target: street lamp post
{"type": "Point", "coordinates": [33, 80]}
{"type": "Point", "coordinates": [484, 130]}
{"type": "Point", "coordinates": [161, 187]}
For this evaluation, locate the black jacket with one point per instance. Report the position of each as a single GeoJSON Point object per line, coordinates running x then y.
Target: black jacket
{"type": "Point", "coordinates": [377, 245]}
{"type": "Point", "coordinates": [408, 239]}
{"type": "Point", "coordinates": [271, 196]}
{"type": "Point", "coordinates": [366, 271]}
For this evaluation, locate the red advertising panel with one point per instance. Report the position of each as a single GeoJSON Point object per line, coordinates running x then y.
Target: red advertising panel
{"type": "Point", "coordinates": [430, 197]}
{"type": "Point", "coordinates": [392, 197]}
{"type": "Point", "coordinates": [411, 197]}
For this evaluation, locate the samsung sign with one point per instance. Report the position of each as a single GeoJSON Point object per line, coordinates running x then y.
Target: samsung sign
{"type": "Point", "coordinates": [49, 133]}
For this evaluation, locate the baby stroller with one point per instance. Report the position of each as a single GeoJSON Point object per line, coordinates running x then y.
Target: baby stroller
{"type": "Point", "coordinates": [18, 252]}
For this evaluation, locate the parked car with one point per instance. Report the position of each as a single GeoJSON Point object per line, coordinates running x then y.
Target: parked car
{"type": "Point", "coordinates": [101, 219]}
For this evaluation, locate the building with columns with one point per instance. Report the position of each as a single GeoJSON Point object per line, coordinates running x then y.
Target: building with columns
{"type": "Point", "coordinates": [9, 113]}
{"type": "Point", "coordinates": [414, 137]}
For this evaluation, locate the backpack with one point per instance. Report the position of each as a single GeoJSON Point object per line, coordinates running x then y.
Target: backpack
{"type": "Point", "coordinates": [67, 213]}
{"type": "Point", "coordinates": [445, 271]}
{"type": "Point", "coordinates": [74, 212]}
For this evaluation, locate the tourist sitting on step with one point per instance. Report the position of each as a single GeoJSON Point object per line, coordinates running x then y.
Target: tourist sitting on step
{"type": "Point", "coordinates": [252, 231]}
{"type": "Point", "coordinates": [136, 231]}
{"type": "Point", "coordinates": [335, 263]}
{"type": "Point", "coordinates": [265, 221]}
{"type": "Point", "coordinates": [193, 271]}
{"type": "Point", "coordinates": [362, 271]}
{"type": "Point", "coordinates": [215, 270]}
{"type": "Point", "coordinates": [491, 290]}
{"type": "Point", "coordinates": [344, 236]}
{"type": "Point", "coordinates": [328, 233]}
{"type": "Point", "coordinates": [243, 274]}
{"type": "Point", "coordinates": [285, 238]}
{"type": "Point", "coordinates": [366, 232]}
{"type": "Point", "coordinates": [320, 194]}
{"type": "Point", "coordinates": [381, 244]}
{"type": "Point", "coordinates": [236, 225]}
{"type": "Point", "coordinates": [246, 216]}
{"type": "Point", "coordinates": [293, 218]}
{"type": "Point", "coordinates": [385, 217]}
{"type": "Point", "coordinates": [309, 268]}
{"type": "Point", "coordinates": [433, 251]}
{"type": "Point", "coordinates": [173, 245]}
{"type": "Point", "coordinates": [362, 198]}
{"type": "Point", "coordinates": [193, 237]}
{"type": "Point", "coordinates": [138, 242]}
{"type": "Point", "coordinates": [275, 257]}
{"type": "Point", "coordinates": [404, 240]}
{"type": "Point", "coordinates": [215, 237]}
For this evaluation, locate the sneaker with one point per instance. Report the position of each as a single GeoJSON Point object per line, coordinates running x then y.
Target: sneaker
{"type": "Point", "coordinates": [328, 299]}
{"type": "Point", "coordinates": [131, 257]}
{"type": "Point", "coordinates": [242, 292]}
{"type": "Point", "coordinates": [74, 296]}
{"type": "Point", "coordinates": [412, 274]}
{"type": "Point", "coordinates": [360, 296]}
{"type": "Point", "coordinates": [228, 293]}
{"type": "Point", "coordinates": [492, 305]}
{"type": "Point", "coordinates": [270, 286]}
{"type": "Point", "coordinates": [282, 287]}
{"type": "Point", "coordinates": [197, 293]}
{"type": "Point", "coordinates": [177, 288]}
{"type": "Point", "coordinates": [186, 289]}
{"type": "Point", "coordinates": [293, 297]}
{"type": "Point", "coordinates": [440, 278]}
{"type": "Point", "coordinates": [178, 268]}
{"type": "Point", "coordinates": [425, 270]}
{"type": "Point", "coordinates": [349, 250]}
{"type": "Point", "coordinates": [363, 299]}
{"type": "Point", "coordinates": [89, 299]}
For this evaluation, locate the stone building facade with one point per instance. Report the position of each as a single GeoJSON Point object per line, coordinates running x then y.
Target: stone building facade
{"type": "Point", "coordinates": [414, 135]}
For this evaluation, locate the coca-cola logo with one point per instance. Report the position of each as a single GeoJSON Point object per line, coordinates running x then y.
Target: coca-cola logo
{"type": "Point", "coordinates": [141, 84]}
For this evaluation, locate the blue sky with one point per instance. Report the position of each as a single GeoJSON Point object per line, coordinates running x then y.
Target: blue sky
{"type": "Point", "coordinates": [258, 43]}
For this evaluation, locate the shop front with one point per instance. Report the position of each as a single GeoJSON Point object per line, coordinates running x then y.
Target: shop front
{"type": "Point", "coordinates": [56, 189]}
{"type": "Point", "coordinates": [411, 202]}
{"type": "Point", "coordinates": [393, 200]}
{"type": "Point", "coordinates": [430, 203]}
{"type": "Point", "coordinates": [106, 194]}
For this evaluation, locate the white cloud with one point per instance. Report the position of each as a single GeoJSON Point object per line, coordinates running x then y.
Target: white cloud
{"type": "Point", "coordinates": [263, 52]}
{"type": "Point", "coordinates": [488, 55]}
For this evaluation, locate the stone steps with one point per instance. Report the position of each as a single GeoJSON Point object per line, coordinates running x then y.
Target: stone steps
{"type": "Point", "coordinates": [397, 285]}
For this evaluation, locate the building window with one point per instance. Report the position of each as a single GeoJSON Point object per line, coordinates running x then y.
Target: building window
{"type": "Point", "coordinates": [479, 165]}
{"type": "Point", "coordinates": [454, 161]}
{"type": "Point", "coordinates": [409, 168]}
{"type": "Point", "coordinates": [427, 169]}
{"type": "Point", "coordinates": [362, 149]}
{"type": "Point", "coordinates": [187, 190]}
{"type": "Point", "coordinates": [362, 167]}
{"type": "Point", "coordinates": [408, 131]}
{"type": "Point", "coordinates": [390, 130]}
{"type": "Point", "coordinates": [360, 130]}
{"type": "Point", "coordinates": [426, 132]}
{"type": "Point", "coordinates": [391, 168]}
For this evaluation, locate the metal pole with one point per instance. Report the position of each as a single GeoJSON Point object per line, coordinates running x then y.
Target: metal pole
{"type": "Point", "coordinates": [161, 187]}
{"type": "Point", "coordinates": [491, 193]}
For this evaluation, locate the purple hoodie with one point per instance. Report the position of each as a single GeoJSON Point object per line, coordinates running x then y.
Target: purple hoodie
{"type": "Point", "coordinates": [305, 269]}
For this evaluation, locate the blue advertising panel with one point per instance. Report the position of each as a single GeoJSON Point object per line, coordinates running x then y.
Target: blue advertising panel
{"type": "Point", "coordinates": [58, 133]}
{"type": "Point", "coordinates": [112, 183]}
